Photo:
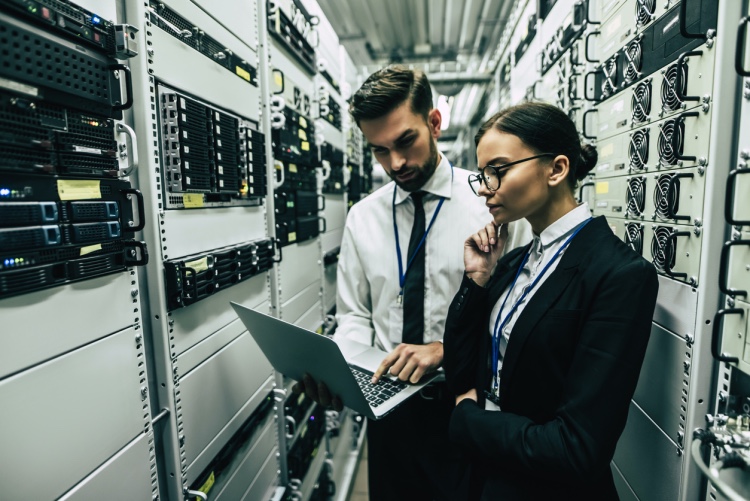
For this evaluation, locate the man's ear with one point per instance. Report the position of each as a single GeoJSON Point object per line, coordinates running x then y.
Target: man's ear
{"type": "Point", "coordinates": [560, 170]}
{"type": "Point", "coordinates": [434, 121]}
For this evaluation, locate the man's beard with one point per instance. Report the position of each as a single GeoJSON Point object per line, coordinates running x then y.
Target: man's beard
{"type": "Point", "coordinates": [422, 174]}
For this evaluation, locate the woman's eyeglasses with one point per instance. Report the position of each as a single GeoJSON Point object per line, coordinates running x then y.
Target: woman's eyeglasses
{"type": "Point", "coordinates": [490, 175]}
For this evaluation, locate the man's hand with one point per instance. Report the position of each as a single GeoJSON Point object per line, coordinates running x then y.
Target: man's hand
{"type": "Point", "coordinates": [409, 362]}
{"type": "Point", "coordinates": [318, 392]}
{"type": "Point", "coordinates": [471, 394]}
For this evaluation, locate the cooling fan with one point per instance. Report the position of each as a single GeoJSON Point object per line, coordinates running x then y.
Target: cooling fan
{"type": "Point", "coordinates": [641, 102]}
{"type": "Point", "coordinates": [669, 97]}
{"type": "Point", "coordinates": [671, 147]}
{"type": "Point", "coordinates": [638, 149]}
{"type": "Point", "coordinates": [636, 196]}
{"type": "Point", "coordinates": [634, 237]}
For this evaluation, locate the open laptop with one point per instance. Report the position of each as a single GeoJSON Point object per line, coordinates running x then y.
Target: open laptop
{"type": "Point", "coordinates": [345, 366]}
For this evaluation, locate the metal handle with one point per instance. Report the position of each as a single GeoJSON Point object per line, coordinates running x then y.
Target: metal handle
{"type": "Point", "coordinates": [586, 47]}
{"type": "Point", "coordinates": [716, 334]}
{"type": "Point", "coordinates": [278, 103]}
{"type": "Point", "coordinates": [186, 270]}
{"type": "Point", "coordinates": [683, 26]}
{"type": "Point", "coordinates": [673, 240]}
{"type": "Point", "coordinates": [673, 139]}
{"type": "Point", "coordinates": [586, 86]}
{"type": "Point", "coordinates": [326, 168]}
{"type": "Point", "coordinates": [582, 187]}
{"type": "Point", "coordinates": [178, 31]}
{"type": "Point", "coordinates": [122, 128]}
{"type": "Point", "coordinates": [324, 114]}
{"type": "Point", "coordinates": [713, 473]}
{"type": "Point", "coordinates": [277, 245]}
{"type": "Point", "coordinates": [670, 189]}
{"type": "Point", "coordinates": [141, 208]}
{"type": "Point", "coordinates": [729, 198]}
{"type": "Point", "coordinates": [583, 123]}
{"type": "Point", "coordinates": [278, 207]}
{"type": "Point", "coordinates": [325, 224]}
{"type": "Point", "coordinates": [724, 268]}
{"type": "Point", "coordinates": [278, 179]}
{"type": "Point", "coordinates": [128, 86]}
{"type": "Point", "coordinates": [739, 54]}
{"type": "Point", "coordinates": [291, 427]}
{"type": "Point", "coordinates": [141, 246]}
{"type": "Point", "coordinates": [323, 198]}
{"type": "Point", "coordinates": [198, 494]}
{"type": "Point", "coordinates": [678, 77]}
{"type": "Point", "coordinates": [283, 80]}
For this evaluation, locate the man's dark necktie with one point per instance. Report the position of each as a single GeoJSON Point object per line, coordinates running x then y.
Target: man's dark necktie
{"type": "Point", "coordinates": [414, 283]}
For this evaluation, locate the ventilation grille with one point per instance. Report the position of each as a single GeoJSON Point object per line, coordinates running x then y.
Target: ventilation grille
{"type": "Point", "coordinates": [667, 153]}
{"type": "Point", "coordinates": [636, 196]}
{"type": "Point", "coordinates": [669, 100]}
{"type": "Point", "coordinates": [638, 149]}
{"type": "Point", "coordinates": [663, 249]}
{"type": "Point", "coordinates": [634, 237]}
{"type": "Point", "coordinates": [641, 102]}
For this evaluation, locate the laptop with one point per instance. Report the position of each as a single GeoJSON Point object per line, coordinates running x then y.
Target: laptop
{"type": "Point", "coordinates": [345, 366]}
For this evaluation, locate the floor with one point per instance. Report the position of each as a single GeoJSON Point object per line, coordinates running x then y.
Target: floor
{"type": "Point", "coordinates": [359, 489]}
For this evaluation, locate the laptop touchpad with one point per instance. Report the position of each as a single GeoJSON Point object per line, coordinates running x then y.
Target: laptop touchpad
{"type": "Point", "coordinates": [370, 359]}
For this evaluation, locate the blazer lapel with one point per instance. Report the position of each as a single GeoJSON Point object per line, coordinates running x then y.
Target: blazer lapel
{"type": "Point", "coordinates": [546, 296]}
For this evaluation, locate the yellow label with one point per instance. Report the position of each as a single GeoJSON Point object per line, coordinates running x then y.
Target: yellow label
{"type": "Point", "coordinates": [209, 483]}
{"type": "Point", "coordinates": [305, 146]}
{"type": "Point", "coordinates": [602, 188]}
{"type": "Point", "coordinates": [78, 190]}
{"type": "Point", "coordinates": [278, 165]}
{"type": "Point", "coordinates": [278, 79]}
{"type": "Point", "coordinates": [303, 122]}
{"type": "Point", "coordinates": [242, 73]}
{"type": "Point", "coordinates": [90, 248]}
{"type": "Point", "coordinates": [192, 200]}
{"type": "Point", "coordinates": [303, 432]}
{"type": "Point", "coordinates": [198, 265]}
{"type": "Point", "coordinates": [300, 399]}
{"type": "Point", "coordinates": [293, 168]}
{"type": "Point", "coordinates": [607, 150]}
{"type": "Point", "coordinates": [293, 236]}
{"type": "Point", "coordinates": [302, 134]}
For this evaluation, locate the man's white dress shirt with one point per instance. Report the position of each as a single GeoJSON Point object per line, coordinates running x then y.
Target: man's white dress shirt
{"type": "Point", "coordinates": [368, 280]}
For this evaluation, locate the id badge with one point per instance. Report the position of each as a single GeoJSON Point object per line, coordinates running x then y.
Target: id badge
{"type": "Point", "coordinates": [396, 322]}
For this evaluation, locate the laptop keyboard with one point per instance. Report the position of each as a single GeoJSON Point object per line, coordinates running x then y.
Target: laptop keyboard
{"type": "Point", "coordinates": [378, 393]}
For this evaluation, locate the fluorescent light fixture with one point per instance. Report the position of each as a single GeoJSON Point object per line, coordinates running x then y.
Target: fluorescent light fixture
{"type": "Point", "coordinates": [444, 106]}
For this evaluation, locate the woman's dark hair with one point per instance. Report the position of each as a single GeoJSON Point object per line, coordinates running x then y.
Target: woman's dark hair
{"type": "Point", "coordinates": [545, 129]}
{"type": "Point", "coordinates": [388, 88]}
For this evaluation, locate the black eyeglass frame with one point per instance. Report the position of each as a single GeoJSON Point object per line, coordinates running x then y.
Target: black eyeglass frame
{"type": "Point", "coordinates": [480, 177]}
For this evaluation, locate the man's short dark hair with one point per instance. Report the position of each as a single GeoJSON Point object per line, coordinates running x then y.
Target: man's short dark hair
{"type": "Point", "coordinates": [387, 89]}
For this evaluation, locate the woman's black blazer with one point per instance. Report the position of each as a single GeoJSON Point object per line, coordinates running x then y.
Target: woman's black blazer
{"type": "Point", "coordinates": [569, 372]}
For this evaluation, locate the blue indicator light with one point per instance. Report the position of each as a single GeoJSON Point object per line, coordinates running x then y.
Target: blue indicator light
{"type": "Point", "coordinates": [12, 262]}
{"type": "Point", "coordinates": [312, 418]}
{"type": "Point", "coordinates": [7, 262]}
{"type": "Point", "coordinates": [96, 20]}
{"type": "Point", "coordinates": [4, 192]}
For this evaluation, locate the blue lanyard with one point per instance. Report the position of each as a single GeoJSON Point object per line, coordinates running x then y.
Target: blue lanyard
{"type": "Point", "coordinates": [499, 326]}
{"type": "Point", "coordinates": [401, 272]}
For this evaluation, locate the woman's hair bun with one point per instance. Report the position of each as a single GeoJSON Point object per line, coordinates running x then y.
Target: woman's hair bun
{"type": "Point", "coordinates": [588, 160]}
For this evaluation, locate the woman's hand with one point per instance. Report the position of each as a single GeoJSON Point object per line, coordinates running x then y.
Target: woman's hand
{"type": "Point", "coordinates": [482, 250]}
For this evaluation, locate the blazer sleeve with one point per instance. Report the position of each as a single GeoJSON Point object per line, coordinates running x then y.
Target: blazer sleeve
{"type": "Point", "coordinates": [464, 336]}
{"type": "Point", "coordinates": [579, 441]}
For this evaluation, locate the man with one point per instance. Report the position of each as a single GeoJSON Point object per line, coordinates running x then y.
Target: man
{"type": "Point", "coordinates": [422, 220]}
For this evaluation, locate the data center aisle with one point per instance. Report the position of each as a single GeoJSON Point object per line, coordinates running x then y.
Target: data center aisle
{"type": "Point", "coordinates": [359, 490]}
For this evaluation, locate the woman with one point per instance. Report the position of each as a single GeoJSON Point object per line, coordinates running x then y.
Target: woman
{"type": "Point", "coordinates": [543, 348]}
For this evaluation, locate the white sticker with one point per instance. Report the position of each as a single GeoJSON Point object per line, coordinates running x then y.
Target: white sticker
{"type": "Point", "coordinates": [617, 107]}
{"type": "Point", "coordinates": [601, 205]}
{"type": "Point", "coordinates": [84, 149]}
{"type": "Point", "coordinates": [602, 167]}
